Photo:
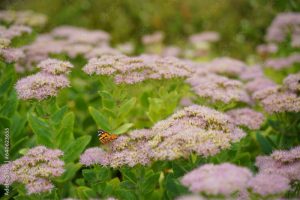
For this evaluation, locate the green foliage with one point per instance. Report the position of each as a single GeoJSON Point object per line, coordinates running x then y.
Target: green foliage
{"type": "Point", "coordinates": [70, 121]}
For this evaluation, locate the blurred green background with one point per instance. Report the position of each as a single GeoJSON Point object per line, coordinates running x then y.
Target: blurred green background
{"type": "Point", "coordinates": [241, 23]}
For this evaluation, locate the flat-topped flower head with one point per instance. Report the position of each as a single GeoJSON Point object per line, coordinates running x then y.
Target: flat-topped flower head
{"type": "Point", "coordinates": [262, 94]}
{"type": "Point", "coordinates": [266, 184]}
{"type": "Point", "coordinates": [226, 66]}
{"type": "Point", "coordinates": [292, 82]}
{"type": "Point", "coordinates": [265, 49]}
{"type": "Point", "coordinates": [171, 51]}
{"type": "Point", "coordinates": [154, 38]}
{"type": "Point", "coordinates": [283, 62]}
{"type": "Point", "coordinates": [246, 117]}
{"type": "Point", "coordinates": [25, 17]}
{"type": "Point", "coordinates": [287, 156]}
{"type": "Point", "coordinates": [259, 83]}
{"type": "Point", "coordinates": [40, 86]}
{"type": "Point", "coordinates": [77, 49]}
{"type": "Point", "coordinates": [281, 162]}
{"type": "Point", "coordinates": [11, 55]}
{"type": "Point", "coordinates": [35, 169]}
{"type": "Point", "coordinates": [281, 102]}
{"type": "Point", "coordinates": [103, 50]}
{"type": "Point", "coordinates": [251, 73]}
{"type": "Point", "coordinates": [55, 67]}
{"type": "Point", "coordinates": [130, 70]}
{"type": "Point", "coordinates": [283, 25]}
{"type": "Point", "coordinates": [80, 35]}
{"type": "Point", "coordinates": [94, 155]}
{"type": "Point", "coordinates": [207, 36]}
{"type": "Point", "coordinates": [4, 42]}
{"type": "Point", "coordinates": [190, 197]}
{"type": "Point", "coordinates": [218, 88]}
{"type": "Point", "coordinates": [224, 179]}
{"type": "Point", "coordinates": [195, 129]}
{"type": "Point", "coordinates": [14, 31]}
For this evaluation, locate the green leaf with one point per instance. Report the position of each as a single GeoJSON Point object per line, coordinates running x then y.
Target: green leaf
{"type": "Point", "coordinates": [144, 99]}
{"type": "Point", "coordinates": [97, 174]}
{"type": "Point", "coordinates": [10, 106]}
{"type": "Point", "coordinates": [59, 114]}
{"type": "Point", "coordinates": [128, 175]}
{"type": "Point", "coordinates": [107, 99]}
{"type": "Point", "coordinates": [123, 129]}
{"type": "Point", "coordinates": [85, 193]}
{"type": "Point", "coordinates": [243, 159]}
{"type": "Point", "coordinates": [6, 84]}
{"type": "Point", "coordinates": [150, 183]}
{"type": "Point", "coordinates": [17, 145]}
{"type": "Point", "coordinates": [126, 107]}
{"type": "Point", "coordinates": [17, 127]}
{"type": "Point", "coordinates": [99, 119]}
{"type": "Point", "coordinates": [70, 172]}
{"type": "Point", "coordinates": [81, 182]}
{"type": "Point", "coordinates": [115, 182]}
{"type": "Point", "coordinates": [174, 188]}
{"type": "Point", "coordinates": [75, 148]}
{"type": "Point", "coordinates": [65, 134]}
{"type": "Point", "coordinates": [4, 122]}
{"type": "Point", "coordinates": [128, 185]}
{"type": "Point", "coordinates": [125, 194]}
{"type": "Point", "coordinates": [264, 143]}
{"type": "Point", "coordinates": [41, 130]}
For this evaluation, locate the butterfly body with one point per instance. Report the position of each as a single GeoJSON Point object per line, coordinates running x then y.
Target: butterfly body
{"type": "Point", "coordinates": [105, 137]}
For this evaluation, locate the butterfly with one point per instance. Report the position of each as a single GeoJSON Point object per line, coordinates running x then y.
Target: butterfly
{"type": "Point", "coordinates": [105, 137]}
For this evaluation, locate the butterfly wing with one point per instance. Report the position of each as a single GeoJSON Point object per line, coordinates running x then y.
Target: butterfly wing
{"type": "Point", "coordinates": [105, 137]}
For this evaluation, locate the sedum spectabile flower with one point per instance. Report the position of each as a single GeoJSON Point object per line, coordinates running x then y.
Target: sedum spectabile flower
{"type": "Point", "coordinates": [35, 169]}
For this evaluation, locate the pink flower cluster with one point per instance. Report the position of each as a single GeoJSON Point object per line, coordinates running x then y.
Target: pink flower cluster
{"type": "Point", "coordinates": [132, 70]}
{"type": "Point", "coordinates": [276, 100]}
{"type": "Point", "coordinates": [246, 117]}
{"type": "Point", "coordinates": [281, 162]}
{"type": "Point", "coordinates": [265, 49]}
{"type": "Point", "coordinates": [28, 18]}
{"type": "Point", "coordinates": [45, 83]}
{"type": "Point", "coordinates": [69, 40]}
{"type": "Point", "coordinates": [154, 38]}
{"type": "Point", "coordinates": [269, 184]}
{"type": "Point", "coordinates": [194, 129]}
{"type": "Point", "coordinates": [11, 55]}
{"type": "Point", "coordinates": [171, 51]}
{"type": "Point", "coordinates": [292, 82]}
{"type": "Point", "coordinates": [224, 179]}
{"type": "Point", "coordinates": [218, 88]}
{"type": "Point", "coordinates": [251, 73]}
{"type": "Point", "coordinates": [81, 35]}
{"type": "Point", "coordinates": [55, 67]}
{"type": "Point", "coordinates": [14, 31]}
{"type": "Point", "coordinates": [283, 25]}
{"type": "Point", "coordinates": [284, 62]}
{"type": "Point", "coordinates": [227, 179]}
{"type": "Point", "coordinates": [190, 197]}
{"type": "Point", "coordinates": [226, 66]}
{"type": "Point", "coordinates": [34, 169]}
{"type": "Point", "coordinates": [258, 84]}
{"type": "Point", "coordinates": [207, 36]}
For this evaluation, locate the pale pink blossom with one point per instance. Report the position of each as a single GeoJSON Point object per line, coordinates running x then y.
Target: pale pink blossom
{"type": "Point", "coordinates": [246, 117]}
{"type": "Point", "coordinates": [269, 184]}
{"type": "Point", "coordinates": [224, 179]}
{"type": "Point", "coordinates": [35, 169]}
{"type": "Point", "coordinates": [40, 86]}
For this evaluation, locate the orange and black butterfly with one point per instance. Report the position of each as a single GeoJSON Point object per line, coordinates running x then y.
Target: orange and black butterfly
{"type": "Point", "coordinates": [105, 137]}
